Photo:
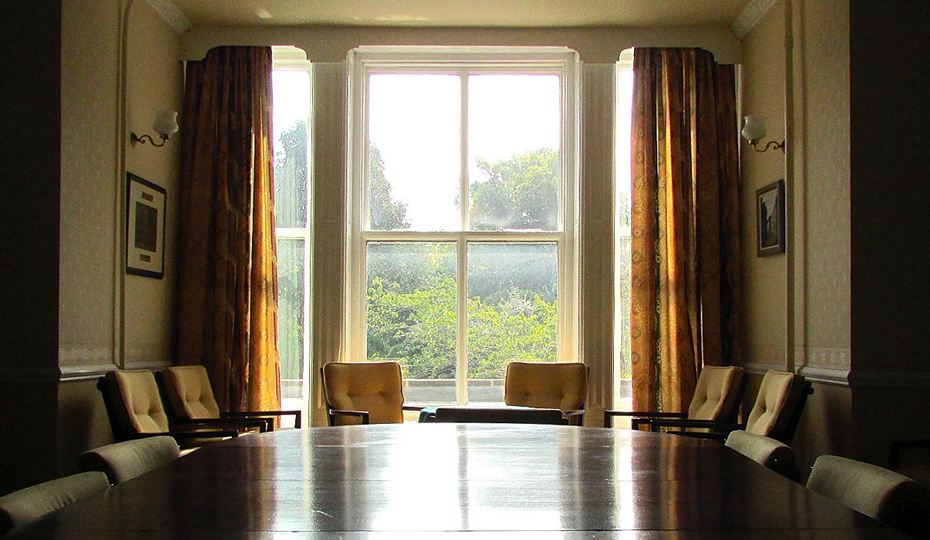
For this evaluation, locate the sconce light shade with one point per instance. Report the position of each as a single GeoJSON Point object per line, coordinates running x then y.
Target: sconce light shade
{"type": "Point", "coordinates": [754, 130]}
{"type": "Point", "coordinates": [165, 124]}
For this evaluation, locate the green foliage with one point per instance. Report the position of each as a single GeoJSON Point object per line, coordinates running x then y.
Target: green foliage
{"type": "Point", "coordinates": [386, 213]}
{"type": "Point", "coordinates": [290, 177]}
{"type": "Point", "coordinates": [520, 193]}
{"type": "Point", "coordinates": [412, 315]}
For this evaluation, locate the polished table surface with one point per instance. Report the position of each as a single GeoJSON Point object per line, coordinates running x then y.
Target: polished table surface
{"type": "Point", "coordinates": [471, 481]}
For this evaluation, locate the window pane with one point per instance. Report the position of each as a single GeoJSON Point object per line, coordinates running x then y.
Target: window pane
{"type": "Point", "coordinates": [291, 95]}
{"type": "Point", "coordinates": [291, 315]}
{"type": "Point", "coordinates": [412, 315]}
{"type": "Point", "coordinates": [514, 124]}
{"type": "Point", "coordinates": [414, 124]}
{"type": "Point", "coordinates": [512, 311]}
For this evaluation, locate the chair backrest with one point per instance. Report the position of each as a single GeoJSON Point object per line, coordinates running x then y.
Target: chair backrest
{"type": "Point", "coordinates": [778, 405]}
{"type": "Point", "coordinates": [773, 454]}
{"type": "Point", "coordinates": [716, 396]}
{"type": "Point", "coordinates": [499, 415]}
{"type": "Point", "coordinates": [189, 393]}
{"type": "Point", "coordinates": [128, 459]}
{"type": "Point", "coordinates": [884, 495]}
{"type": "Point", "coordinates": [31, 503]}
{"type": "Point", "coordinates": [133, 399]}
{"type": "Point", "coordinates": [375, 387]}
{"type": "Point", "coordinates": [548, 385]}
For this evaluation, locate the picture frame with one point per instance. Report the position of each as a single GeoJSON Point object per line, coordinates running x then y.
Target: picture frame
{"type": "Point", "coordinates": [145, 227]}
{"type": "Point", "coordinates": [770, 219]}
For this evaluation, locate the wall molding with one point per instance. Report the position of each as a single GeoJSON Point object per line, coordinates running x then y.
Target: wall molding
{"type": "Point", "coordinates": [758, 368]}
{"type": "Point", "coordinates": [825, 375]}
{"type": "Point", "coordinates": [750, 16]}
{"type": "Point", "coordinates": [172, 15]}
{"type": "Point", "coordinates": [85, 372]}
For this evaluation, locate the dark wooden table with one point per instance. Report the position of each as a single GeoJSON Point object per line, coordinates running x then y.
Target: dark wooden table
{"type": "Point", "coordinates": [467, 481]}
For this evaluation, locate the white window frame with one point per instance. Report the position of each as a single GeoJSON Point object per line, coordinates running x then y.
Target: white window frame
{"type": "Point", "coordinates": [364, 61]}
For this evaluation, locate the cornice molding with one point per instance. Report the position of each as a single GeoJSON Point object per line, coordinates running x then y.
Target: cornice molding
{"type": "Point", "coordinates": [172, 15]}
{"type": "Point", "coordinates": [751, 15]}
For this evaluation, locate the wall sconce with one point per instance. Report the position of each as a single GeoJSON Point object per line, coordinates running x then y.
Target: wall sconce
{"type": "Point", "coordinates": [165, 124]}
{"type": "Point", "coordinates": [754, 130]}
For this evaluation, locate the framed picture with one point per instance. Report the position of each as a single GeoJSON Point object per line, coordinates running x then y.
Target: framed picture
{"type": "Point", "coordinates": [770, 219]}
{"type": "Point", "coordinates": [145, 228]}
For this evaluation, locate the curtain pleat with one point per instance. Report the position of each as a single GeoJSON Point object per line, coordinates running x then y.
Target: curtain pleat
{"type": "Point", "coordinates": [685, 223]}
{"type": "Point", "coordinates": [227, 301]}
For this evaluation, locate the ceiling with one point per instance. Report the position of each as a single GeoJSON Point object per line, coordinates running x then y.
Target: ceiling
{"type": "Point", "coordinates": [489, 13]}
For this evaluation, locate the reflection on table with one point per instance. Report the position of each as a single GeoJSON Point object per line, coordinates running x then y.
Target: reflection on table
{"type": "Point", "coordinates": [460, 480]}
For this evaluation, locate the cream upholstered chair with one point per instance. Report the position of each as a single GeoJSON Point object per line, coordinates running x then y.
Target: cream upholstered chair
{"type": "Point", "coordinates": [716, 399]}
{"type": "Point", "coordinates": [883, 495]}
{"type": "Point", "coordinates": [773, 454]}
{"type": "Point", "coordinates": [775, 413]}
{"type": "Point", "coordinates": [136, 410]}
{"type": "Point", "coordinates": [190, 399]}
{"type": "Point", "coordinates": [26, 505]}
{"type": "Point", "coordinates": [547, 385]}
{"type": "Point", "coordinates": [125, 460]}
{"type": "Point", "coordinates": [364, 393]}
{"type": "Point", "coordinates": [778, 406]}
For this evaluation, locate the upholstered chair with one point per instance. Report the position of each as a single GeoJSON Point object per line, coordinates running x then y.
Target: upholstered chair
{"type": "Point", "coordinates": [364, 393]}
{"type": "Point", "coordinates": [716, 399]}
{"type": "Point", "coordinates": [773, 454]}
{"type": "Point", "coordinates": [125, 460]}
{"type": "Point", "coordinates": [775, 412]}
{"type": "Point", "coordinates": [190, 399]}
{"type": "Point", "coordinates": [136, 410]}
{"type": "Point", "coordinates": [548, 385]}
{"type": "Point", "coordinates": [29, 504]}
{"type": "Point", "coordinates": [883, 495]}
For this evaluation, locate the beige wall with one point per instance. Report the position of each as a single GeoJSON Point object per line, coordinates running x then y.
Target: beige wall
{"type": "Point", "coordinates": [74, 162]}
{"type": "Point", "coordinates": [765, 291]}
{"type": "Point", "coordinates": [594, 45]}
{"type": "Point", "coordinates": [855, 274]}
{"type": "Point", "coordinates": [797, 305]}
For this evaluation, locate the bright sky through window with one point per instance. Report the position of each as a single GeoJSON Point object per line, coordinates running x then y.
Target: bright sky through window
{"type": "Point", "coordinates": [415, 123]}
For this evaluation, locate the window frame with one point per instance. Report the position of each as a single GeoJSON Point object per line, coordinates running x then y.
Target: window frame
{"type": "Point", "coordinates": [462, 61]}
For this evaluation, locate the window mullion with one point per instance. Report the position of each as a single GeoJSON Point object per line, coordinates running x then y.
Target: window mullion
{"type": "Point", "coordinates": [461, 378]}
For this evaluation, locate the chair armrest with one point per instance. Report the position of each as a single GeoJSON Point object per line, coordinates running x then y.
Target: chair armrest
{"type": "Point", "coordinates": [345, 412]}
{"type": "Point", "coordinates": [296, 414]}
{"type": "Point", "coordinates": [575, 417]}
{"type": "Point", "coordinates": [263, 424]}
{"type": "Point", "coordinates": [187, 439]}
{"type": "Point", "coordinates": [609, 414]}
{"type": "Point", "coordinates": [413, 407]}
{"type": "Point", "coordinates": [654, 423]}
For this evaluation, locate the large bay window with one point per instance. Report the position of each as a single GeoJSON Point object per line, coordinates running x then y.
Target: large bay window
{"type": "Point", "coordinates": [462, 214]}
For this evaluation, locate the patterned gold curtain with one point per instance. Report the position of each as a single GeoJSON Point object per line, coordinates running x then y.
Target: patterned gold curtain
{"type": "Point", "coordinates": [685, 223]}
{"type": "Point", "coordinates": [227, 301]}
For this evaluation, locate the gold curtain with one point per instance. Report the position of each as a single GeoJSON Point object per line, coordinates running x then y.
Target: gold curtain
{"type": "Point", "coordinates": [227, 305]}
{"type": "Point", "coordinates": [685, 223]}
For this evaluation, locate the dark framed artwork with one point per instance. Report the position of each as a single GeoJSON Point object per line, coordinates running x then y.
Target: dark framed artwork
{"type": "Point", "coordinates": [145, 228]}
{"type": "Point", "coordinates": [770, 219]}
